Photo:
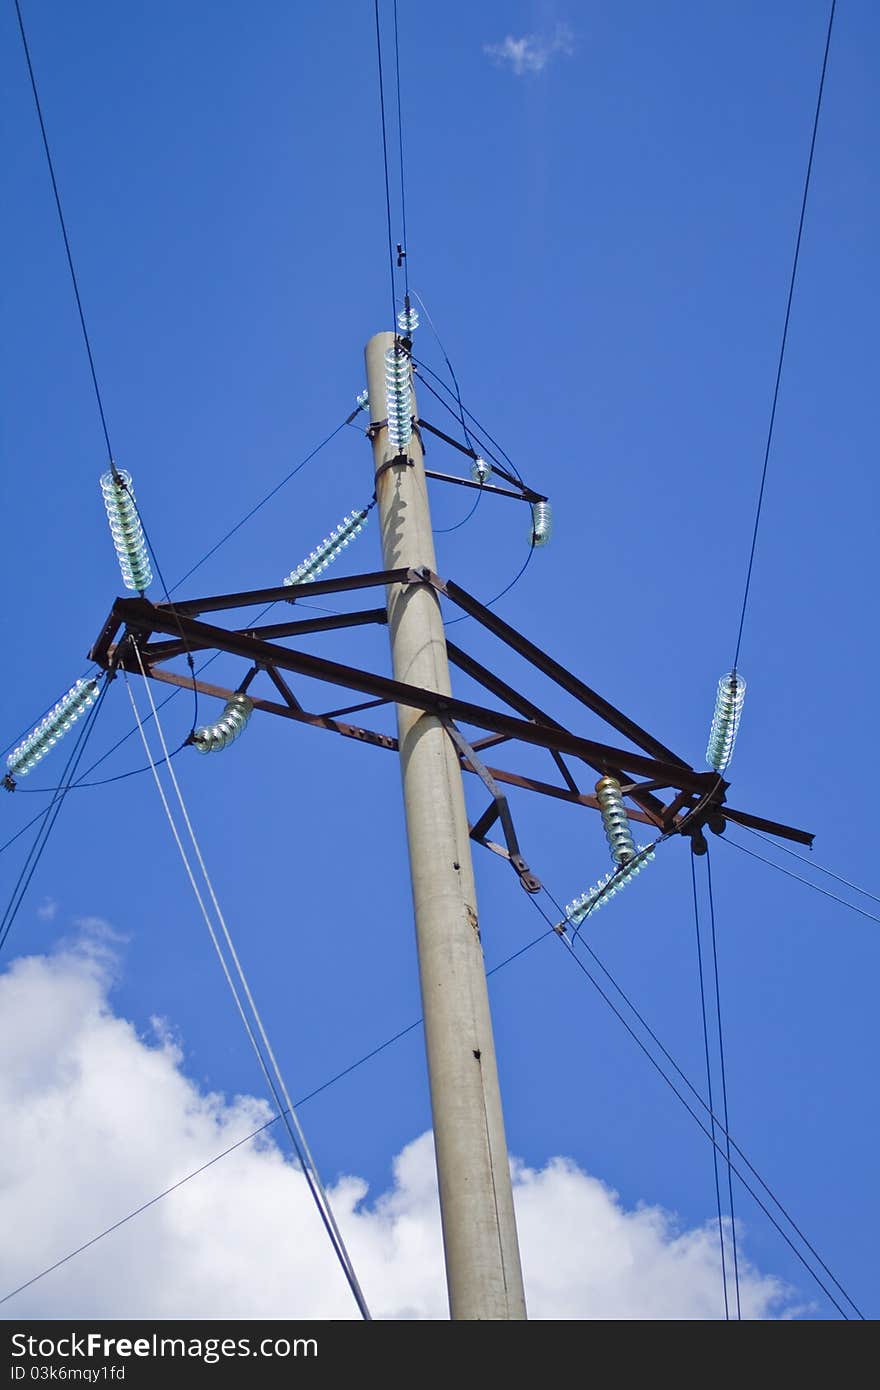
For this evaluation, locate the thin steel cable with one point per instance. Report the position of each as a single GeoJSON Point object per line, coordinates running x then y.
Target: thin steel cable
{"type": "Point", "coordinates": [797, 252]}
{"type": "Point", "coordinates": [723, 1083]}
{"type": "Point", "coordinates": [720, 1127]}
{"type": "Point", "coordinates": [490, 603]}
{"type": "Point", "coordinates": [85, 333]}
{"type": "Point", "coordinates": [479, 431]}
{"type": "Point", "coordinates": [49, 161]}
{"type": "Point", "coordinates": [280, 1093]}
{"type": "Point", "coordinates": [447, 530]}
{"type": "Point", "coordinates": [385, 161]}
{"type": "Point", "coordinates": [325, 1085]}
{"type": "Point", "coordinates": [812, 863]}
{"type": "Point", "coordinates": [448, 361]}
{"type": "Point", "coordinates": [269, 495]}
{"type": "Point", "coordinates": [694, 1116]}
{"type": "Point", "coordinates": [405, 257]}
{"type": "Point", "coordinates": [48, 819]}
{"type": "Point", "coordinates": [872, 917]}
{"type": "Point", "coordinates": [709, 1091]}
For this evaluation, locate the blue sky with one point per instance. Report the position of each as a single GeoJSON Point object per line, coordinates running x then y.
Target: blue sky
{"type": "Point", "coordinates": [604, 243]}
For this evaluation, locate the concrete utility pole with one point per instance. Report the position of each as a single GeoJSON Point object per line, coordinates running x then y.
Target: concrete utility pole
{"type": "Point", "coordinates": [476, 1199]}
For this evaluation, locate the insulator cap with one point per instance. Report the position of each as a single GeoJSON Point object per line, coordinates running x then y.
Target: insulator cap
{"type": "Point", "coordinates": [53, 727]}
{"type": "Point", "coordinates": [407, 321]}
{"type": "Point", "coordinates": [211, 738]}
{"type": "Point", "coordinates": [363, 399]}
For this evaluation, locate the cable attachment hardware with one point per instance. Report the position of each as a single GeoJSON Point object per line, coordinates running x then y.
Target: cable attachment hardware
{"type": "Point", "coordinates": [499, 810]}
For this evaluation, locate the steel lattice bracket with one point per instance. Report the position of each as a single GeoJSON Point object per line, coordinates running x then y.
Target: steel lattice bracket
{"type": "Point", "coordinates": [696, 799]}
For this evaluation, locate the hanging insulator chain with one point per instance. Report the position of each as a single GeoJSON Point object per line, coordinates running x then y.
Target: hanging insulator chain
{"type": "Point", "coordinates": [398, 397]}
{"type": "Point", "coordinates": [601, 893]}
{"type": "Point", "coordinates": [725, 721]}
{"type": "Point", "coordinates": [211, 738]}
{"type": "Point", "coordinates": [52, 728]}
{"type": "Point", "coordinates": [126, 529]}
{"type": "Point", "coordinates": [329, 549]}
{"type": "Point", "coordinates": [615, 820]}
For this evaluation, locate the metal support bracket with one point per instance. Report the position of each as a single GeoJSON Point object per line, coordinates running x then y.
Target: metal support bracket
{"type": "Point", "coordinates": [498, 810]}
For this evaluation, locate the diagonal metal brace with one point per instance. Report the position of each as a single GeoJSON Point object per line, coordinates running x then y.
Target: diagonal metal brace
{"type": "Point", "coordinates": [499, 810]}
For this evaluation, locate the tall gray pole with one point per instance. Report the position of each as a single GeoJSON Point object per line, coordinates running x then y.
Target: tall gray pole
{"type": "Point", "coordinates": [476, 1200]}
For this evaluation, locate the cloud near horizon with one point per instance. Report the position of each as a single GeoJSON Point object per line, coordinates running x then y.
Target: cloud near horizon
{"type": "Point", "coordinates": [532, 52]}
{"type": "Point", "coordinates": [97, 1120]}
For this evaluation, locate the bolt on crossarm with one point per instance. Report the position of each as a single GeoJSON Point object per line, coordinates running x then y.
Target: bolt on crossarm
{"type": "Point", "coordinates": [476, 1198]}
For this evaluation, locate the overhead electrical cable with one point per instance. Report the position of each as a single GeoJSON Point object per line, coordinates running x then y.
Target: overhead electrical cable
{"type": "Point", "coordinates": [853, 907]}
{"type": "Point", "coordinates": [48, 818]}
{"type": "Point", "coordinates": [723, 1070]}
{"type": "Point", "coordinates": [49, 161]}
{"type": "Point", "coordinates": [866, 893]}
{"type": "Point", "coordinates": [254, 1134]}
{"type": "Point", "coordinates": [781, 358]}
{"type": "Point", "coordinates": [121, 480]}
{"type": "Point", "coordinates": [385, 162]}
{"type": "Point", "coordinates": [705, 1129]}
{"type": "Point", "coordinates": [715, 1149]}
{"type": "Point", "coordinates": [263, 500]}
{"type": "Point", "coordinates": [252, 1021]}
{"type": "Point", "coordinates": [720, 1127]}
{"type": "Point", "coordinates": [405, 245]}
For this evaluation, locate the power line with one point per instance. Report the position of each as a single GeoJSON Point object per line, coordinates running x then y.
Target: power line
{"type": "Point", "coordinates": [268, 497]}
{"type": "Point", "coordinates": [490, 603]}
{"type": "Point", "coordinates": [709, 1090]}
{"type": "Point", "coordinates": [404, 257]}
{"type": "Point", "coordinates": [48, 819]}
{"type": "Point", "coordinates": [723, 1069]}
{"type": "Point", "coordinates": [815, 886]}
{"type": "Point", "coordinates": [694, 1116]}
{"type": "Point", "coordinates": [325, 1085]}
{"type": "Point", "coordinates": [82, 317]}
{"type": "Point", "coordinates": [693, 1090]}
{"type": "Point", "coordinates": [477, 429]}
{"type": "Point", "coordinates": [447, 530]}
{"type": "Point", "coordinates": [812, 863]}
{"type": "Point", "coordinates": [448, 361]}
{"type": "Point", "coordinates": [385, 161]}
{"type": "Point", "coordinates": [797, 251]}
{"type": "Point", "coordinates": [274, 1077]}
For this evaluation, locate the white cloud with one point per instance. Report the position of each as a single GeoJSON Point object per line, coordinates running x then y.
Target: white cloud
{"type": "Point", "coordinates": [96, 1120]}
{"type": "Point", "coordinates": [48, 910]}
{"type": "Point", "coordinates": [532, 52]}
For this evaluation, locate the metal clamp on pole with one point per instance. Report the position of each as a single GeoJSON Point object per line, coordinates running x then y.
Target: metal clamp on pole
{"type": "Point", "coordinates": [499, 810]}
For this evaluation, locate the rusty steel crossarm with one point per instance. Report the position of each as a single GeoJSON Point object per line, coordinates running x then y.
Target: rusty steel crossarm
{"type": "Point", "coordinates": [164, 651]}
{"type": "Point", "coordinates": [144, 617]}
{"type": "Point", "coordinates": [289, 593]}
